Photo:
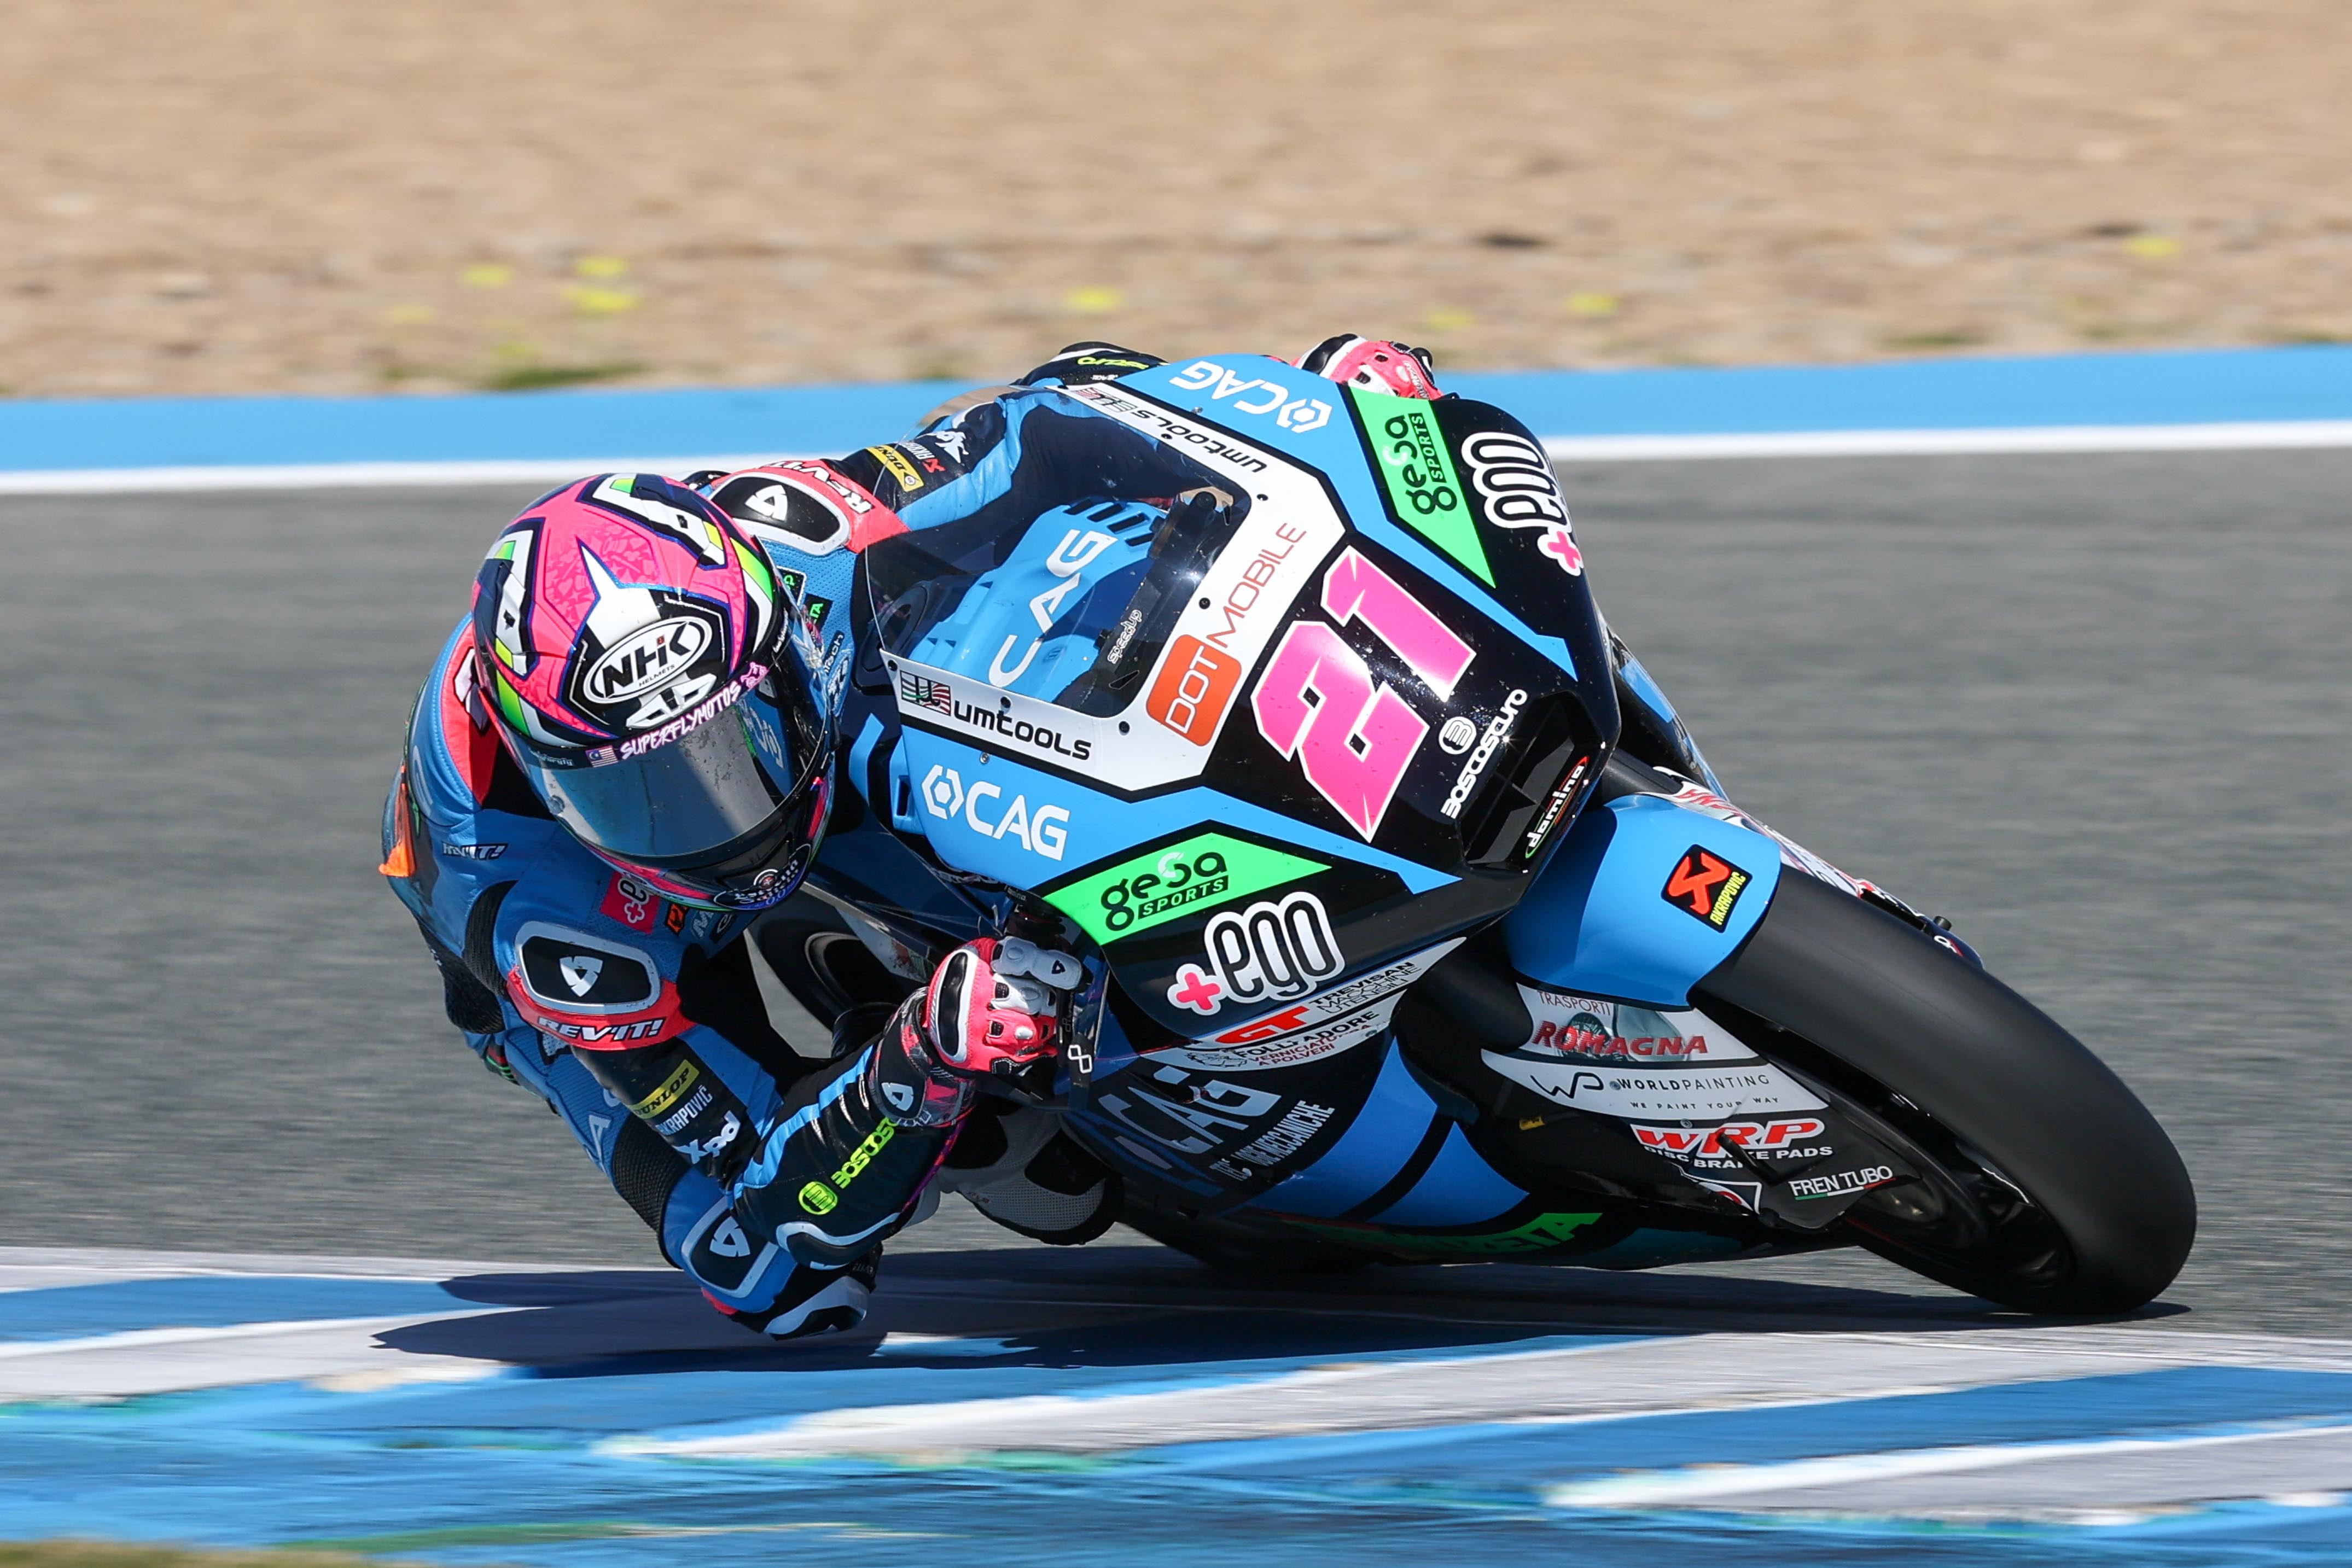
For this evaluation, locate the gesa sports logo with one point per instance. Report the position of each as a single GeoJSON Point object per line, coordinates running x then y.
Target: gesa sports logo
{"type": "Point", "coordinates": [1043, 830]}
{"type": "Point", "coordinates": [1705, 887]}
{"type": "Point", "coordinates": [1258, 397]}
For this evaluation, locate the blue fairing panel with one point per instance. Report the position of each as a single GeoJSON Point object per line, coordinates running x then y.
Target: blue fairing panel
{"type": "Point", "coordinates": [1616, 913]}
{"type": "Point", "coordinates": [1395, 1117]}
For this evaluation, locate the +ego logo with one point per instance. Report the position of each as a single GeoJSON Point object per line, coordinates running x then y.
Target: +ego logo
{"type": "Point", "coordinates": [1268, 952]}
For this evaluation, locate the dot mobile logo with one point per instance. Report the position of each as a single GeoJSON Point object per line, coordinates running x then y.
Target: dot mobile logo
{"type": "Point", "coordinates": [1194, 688]}
{"type": "Point", "coordinates": [1705, 887]}
{"type": "Point", "coordinates": [1196, 684]}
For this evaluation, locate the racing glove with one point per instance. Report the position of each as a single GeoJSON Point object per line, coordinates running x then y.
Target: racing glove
{"type": "Point", "coordinates": [991, 1009]}
{"type": "Point", "coordinates": [1374, 364]}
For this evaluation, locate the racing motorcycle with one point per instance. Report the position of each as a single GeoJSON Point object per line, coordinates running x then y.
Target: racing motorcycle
{"type": "Point", "coordinates": [1416, 926]}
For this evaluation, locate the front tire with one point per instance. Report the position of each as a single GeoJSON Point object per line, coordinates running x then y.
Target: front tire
{"type": "Point", "coordinates": [2049, 1186]}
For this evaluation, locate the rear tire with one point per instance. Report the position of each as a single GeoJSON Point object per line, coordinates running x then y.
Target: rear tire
{"type": "Point", "coordinates": [2078, 1202]}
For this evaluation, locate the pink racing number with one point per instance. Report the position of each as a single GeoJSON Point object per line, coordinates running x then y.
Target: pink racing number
{"type": "Point", "coordinates": [1354, 740]}
{"type": "Point", "coordinates": [1356, 590]}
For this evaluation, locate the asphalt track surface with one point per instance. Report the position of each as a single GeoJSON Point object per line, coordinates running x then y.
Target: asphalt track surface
{"type": "Point", "coordinates": [2092, 708]}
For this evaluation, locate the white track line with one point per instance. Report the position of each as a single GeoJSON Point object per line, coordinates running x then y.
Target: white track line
{"type": "Point", "coordinates": [1598, 1383]}
{"type": "Point", "coordinates": [173, 1359]}
{"type": "Point", "coordinates": [2264, 436]}
{"type": "Point", "coordinates": [349, 476]}
{"type": "Point", "coordinates": [1852, 1477]}
{"type": "Point", "coordinates": [2242, 436]}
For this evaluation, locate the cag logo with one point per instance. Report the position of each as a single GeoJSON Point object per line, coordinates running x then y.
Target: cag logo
{"type": "Point", "coordinates": [1302, 413]}
{"type": "Point", "coordinates": [1043, 830]}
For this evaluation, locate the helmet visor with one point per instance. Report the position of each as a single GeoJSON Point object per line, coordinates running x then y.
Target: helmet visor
{"type": "Point", "coordinates": [708, 788]}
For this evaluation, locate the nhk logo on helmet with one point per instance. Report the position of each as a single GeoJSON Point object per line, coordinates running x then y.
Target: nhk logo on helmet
{"type": "Point", "coordinates": [644, 655]}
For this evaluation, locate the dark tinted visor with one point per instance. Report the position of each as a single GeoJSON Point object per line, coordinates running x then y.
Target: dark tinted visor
{"type": "Point", "coordinates": [738, 771]}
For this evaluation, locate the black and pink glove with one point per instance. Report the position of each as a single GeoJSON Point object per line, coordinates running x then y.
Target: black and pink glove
{"type": "Point", "coordinates": [991, 1009]}
{"type": "Point", "coordinates": [1374, 364]}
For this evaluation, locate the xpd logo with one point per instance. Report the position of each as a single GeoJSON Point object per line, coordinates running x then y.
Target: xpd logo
{"type": "Point", "coordinates": [1258, 397]}
{"type": "Point", "coordinates": [1043, 830]}
{"type": "Point", "coordinates": [1269, 952]}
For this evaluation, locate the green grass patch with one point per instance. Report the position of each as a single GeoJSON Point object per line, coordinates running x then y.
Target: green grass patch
{"type": "Point", "coordinates": [118, 1555]}
{"type": "Point", "coordinates": [540, 378]}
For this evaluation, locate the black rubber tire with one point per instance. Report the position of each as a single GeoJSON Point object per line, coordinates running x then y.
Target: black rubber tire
{"type": "Point", "coordinates": [1992, 1070]}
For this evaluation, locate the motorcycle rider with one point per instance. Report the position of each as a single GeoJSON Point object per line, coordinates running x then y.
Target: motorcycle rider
{"type": "Point", "coordinates": [631, 747]}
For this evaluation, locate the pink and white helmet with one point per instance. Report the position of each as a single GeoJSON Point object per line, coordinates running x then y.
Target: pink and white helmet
{"type": "Point", "coordinates": [658, 688]}
{"type": "Point", "coordinates": [1374, 364]}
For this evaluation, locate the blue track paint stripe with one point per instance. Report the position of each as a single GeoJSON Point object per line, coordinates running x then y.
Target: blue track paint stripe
{"type": "Point", "coordinates": [79, 1312]}
{"type": "Point", "coordinates": [2181, 387]}
{"type": "Point", "coordinates": [582, 426]}
{"type": "Point", "coordinates": [536, 431]}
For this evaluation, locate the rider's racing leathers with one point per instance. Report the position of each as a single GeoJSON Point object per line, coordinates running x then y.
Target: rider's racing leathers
{"type": "Point", "coordinates": [770, 1169]}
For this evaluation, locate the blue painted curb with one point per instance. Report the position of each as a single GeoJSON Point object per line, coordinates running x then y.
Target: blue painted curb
{"type": "Point", "coordinates": [2184, 387]}
{"type": "Point", "coordinates": [2205, 386]}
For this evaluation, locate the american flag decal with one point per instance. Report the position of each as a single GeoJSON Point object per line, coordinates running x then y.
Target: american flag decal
{"type": "Point", "coordinates": [924, 692]}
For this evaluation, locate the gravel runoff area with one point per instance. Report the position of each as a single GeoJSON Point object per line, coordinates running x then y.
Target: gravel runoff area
{"type": "Point", "coordinates": [2092, 708]}
{"type": "Point", "coordinates": [287, 195]}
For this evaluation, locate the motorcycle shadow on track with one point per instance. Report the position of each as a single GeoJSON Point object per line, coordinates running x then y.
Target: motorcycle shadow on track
{"type": "Point", "coordinates": [1110, 1306]}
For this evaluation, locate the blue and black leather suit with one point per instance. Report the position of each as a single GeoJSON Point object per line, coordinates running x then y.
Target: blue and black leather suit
{"type": "Point", "coordinates": [667, 1069]}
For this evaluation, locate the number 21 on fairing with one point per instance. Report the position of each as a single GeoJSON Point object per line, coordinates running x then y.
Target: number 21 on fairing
{"type": "Point", "coordinates": [1319, 702]}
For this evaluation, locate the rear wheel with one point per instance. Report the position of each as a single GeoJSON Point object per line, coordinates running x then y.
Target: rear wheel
{"type": "Point", "coordinates": [2045, 1183]}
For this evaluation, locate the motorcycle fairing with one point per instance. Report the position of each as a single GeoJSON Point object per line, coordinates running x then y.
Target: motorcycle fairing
{"type": "Point", "coordinates": [1614, 913]}
{"type": "Point", "coordinates": [1272, 405]}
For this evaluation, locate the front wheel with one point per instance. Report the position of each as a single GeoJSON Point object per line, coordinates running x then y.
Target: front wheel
{"type": "Point", "coordinates": [2045, 1183]}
